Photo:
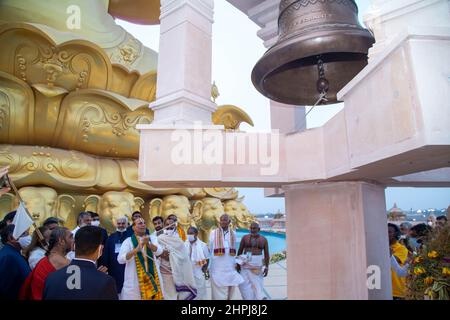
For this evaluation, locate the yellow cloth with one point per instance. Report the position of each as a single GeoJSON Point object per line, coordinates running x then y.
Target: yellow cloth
{"type": "Point", "coordinates": [399, 283]}
{"type": "Point", "coordinates": [181, 233]}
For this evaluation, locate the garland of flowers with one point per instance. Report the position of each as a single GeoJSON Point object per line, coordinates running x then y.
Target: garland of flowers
{"type": "Point", "coordinates": [430, 270]}
{"type": "Point", "coordinates": [279, 256]}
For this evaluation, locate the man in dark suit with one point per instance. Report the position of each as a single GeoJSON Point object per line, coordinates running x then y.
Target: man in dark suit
{"type": "Point", "coordinates": [81, 280]}
{"type": "Point", "coordinates": [96, 223]}
{"type": "Point", "coordinates": [112, 248]}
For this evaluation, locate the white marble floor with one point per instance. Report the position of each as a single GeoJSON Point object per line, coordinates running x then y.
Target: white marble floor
{"type": "Point", "coordinates": [275, 284]}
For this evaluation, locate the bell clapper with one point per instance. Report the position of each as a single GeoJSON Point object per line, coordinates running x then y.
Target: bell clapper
{"type": "Point", "coordinates": [322, 85]}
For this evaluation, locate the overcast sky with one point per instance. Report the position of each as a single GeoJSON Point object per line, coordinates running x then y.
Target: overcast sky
{"type": "Point", "coordinates": [236, 49]}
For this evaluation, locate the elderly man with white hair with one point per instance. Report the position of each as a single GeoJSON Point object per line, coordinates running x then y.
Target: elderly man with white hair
{"type": "Point", "coordinates": [224, 276]}
{"type": "Point", "coordinates": [111, 251]}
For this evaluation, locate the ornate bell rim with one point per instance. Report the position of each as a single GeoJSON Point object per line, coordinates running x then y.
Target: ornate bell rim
{"type": "Point", "coordinates": [284, 4]}
{"type": "Point", "coordinates": [285, 34]}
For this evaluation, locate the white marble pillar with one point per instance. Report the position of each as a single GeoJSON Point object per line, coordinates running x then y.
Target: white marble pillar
{"type": "Point", "coordinates": [287, 119]}
{"type": "Point", "coordinates": [336, 237]}
{"type": "Point", "coordinates": [184, 67]}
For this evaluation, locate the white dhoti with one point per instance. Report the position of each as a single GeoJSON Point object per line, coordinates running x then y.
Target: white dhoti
{"type": "Point", "coordinates": [253, 286]}
{"type": "Point", "coordinates": [170, 291]}
{"type": "Point", "coordinates": [221, 293]}
{"type": "Point", "coordinates": [224, 277]}
{"type": "Point", "coordinates": [178, 277]}
{"type": "Point", "coordinates": [201, 288]}
{"type": "Point", "coordinates": [199, 253]}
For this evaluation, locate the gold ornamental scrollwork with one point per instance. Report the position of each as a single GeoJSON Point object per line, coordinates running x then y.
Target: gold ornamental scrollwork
{"type": "Point", "coordinates": [42, 159]}
{"type": "Point", "coordinates": [17, 103]}
{"type": "Point", "coordinates": [94, 115]}
{"type": "Point", "coordinates": [73, 64]}
{"type": "Point", "coordinates": [4, 111]}
{"type": "Point", "coordinates": [128, 52]}
{"type": "Point", "coordinates": [76, 172]}
{"type": "Point", "coordinates": [100, 123]}
{"type": "Point", "coordinates": [49, 115]}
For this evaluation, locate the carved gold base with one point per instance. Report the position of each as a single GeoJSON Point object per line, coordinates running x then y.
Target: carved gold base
{"type": "Point", "coordinates": [62, 183]}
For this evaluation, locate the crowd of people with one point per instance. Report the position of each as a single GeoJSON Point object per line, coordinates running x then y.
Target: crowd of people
{"type": "Point", "coordinates": [130, 263]}
{"type": "Point", "coordinates": [133, 263]}
{"type": "Point", "coordinates": [405, 241]}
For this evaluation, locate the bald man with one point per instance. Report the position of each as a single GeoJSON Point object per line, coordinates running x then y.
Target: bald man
{"type": "Point", "coordinates": [253, 263]}
{"type": "Point", "coordinates": [224, 276]}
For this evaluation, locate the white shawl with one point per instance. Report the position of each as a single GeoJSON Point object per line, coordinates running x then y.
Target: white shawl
{"type": "Point", "coordinates": [180, 263]}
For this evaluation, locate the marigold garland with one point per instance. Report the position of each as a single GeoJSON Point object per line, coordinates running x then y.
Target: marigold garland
{"type": "Point", "coordinates": [429, 276]}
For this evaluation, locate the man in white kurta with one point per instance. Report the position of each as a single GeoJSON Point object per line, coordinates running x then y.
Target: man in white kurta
{"type": "Point", "coordinates": [131, 290]}
{"type": "Point", "coordinates": [199, 255]}
{"type": "Point", "coordinates": [224, 277]}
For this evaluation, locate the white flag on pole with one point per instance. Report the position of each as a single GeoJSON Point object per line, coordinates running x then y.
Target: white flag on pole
{"type": "Point", "coordinates": [22, 221]}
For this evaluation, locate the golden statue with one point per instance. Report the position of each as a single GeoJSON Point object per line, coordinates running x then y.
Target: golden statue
{"type": "Point", "coordinates": [207, 216]}
{"type": "Point", "coordinates": [113, 205]}
{"type": "Point", "coordinates": [231, 117]}
{"type": "Point", "coordinates": [239, 214]}
{"type": "Point", "coordinates": [42, 203]}
{"type": "Point", "coordinates": [214, 92]}
{"type": "Point", "coordinates": [73, 87]}
{"type": "Point", "coordinates": [173, 204]}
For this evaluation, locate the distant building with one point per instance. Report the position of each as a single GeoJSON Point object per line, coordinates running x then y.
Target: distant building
{"type": "Point", "coordinates": [265, 223]}
{"type": "Point", "coordinates": [396, 214]}
{"type": "Point", "coordinates": [279, 215]}
{"type": "Point", "coordinates": [275, 223]}
{"type": "Point", "coordinates": [279, 224]}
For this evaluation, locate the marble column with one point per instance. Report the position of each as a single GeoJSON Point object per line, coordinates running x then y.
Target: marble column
{"type": "Point", "coordinates": [336, 238]}
{"type": "Point", "coordinates": [184, 67]}
{"type": "Point", "coordinates": [287, 119]}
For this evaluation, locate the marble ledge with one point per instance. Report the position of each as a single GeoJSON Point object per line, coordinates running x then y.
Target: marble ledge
{"type": "Point", "coordinates": [426, 33]}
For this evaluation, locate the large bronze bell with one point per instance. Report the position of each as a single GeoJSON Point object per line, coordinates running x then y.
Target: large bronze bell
{"type": "Point", "coordinates": [321, 47]}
